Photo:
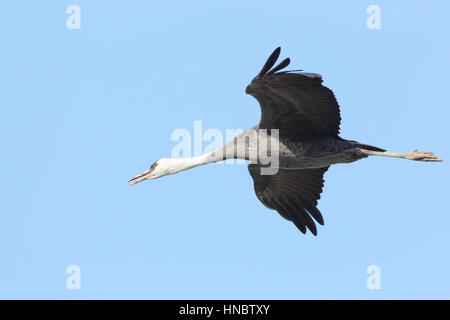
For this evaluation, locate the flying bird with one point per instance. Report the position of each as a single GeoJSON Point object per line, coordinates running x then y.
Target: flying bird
{"type": "Point", "coordinates": [301, 117]}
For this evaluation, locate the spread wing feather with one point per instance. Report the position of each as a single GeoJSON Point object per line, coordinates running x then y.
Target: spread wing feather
{"type": "Point", "coordinates": [294, 102]}
{"type": "Point", "coordinates": [293, 193]}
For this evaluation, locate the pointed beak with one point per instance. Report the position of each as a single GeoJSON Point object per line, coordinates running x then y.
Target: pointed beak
{"type": "Point", "coordinates": [141, 177]}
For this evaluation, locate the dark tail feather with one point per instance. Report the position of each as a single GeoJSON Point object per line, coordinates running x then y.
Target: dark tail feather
{"type": "Point", "coordinates": [365, 146]}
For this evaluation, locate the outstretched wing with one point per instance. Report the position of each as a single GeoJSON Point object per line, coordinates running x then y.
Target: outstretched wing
{"type": "Point", "coordinates": [293, 193]}
{"type": "Point", "coordinates": [294, 102]}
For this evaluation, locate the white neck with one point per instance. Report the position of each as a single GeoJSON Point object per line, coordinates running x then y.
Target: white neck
{"type": "Point", "coordinates": [192, 162]}
{"type": "Point", "coordinates": [232, 150]}
{"type": "Point", "coordinates": [182, 164]}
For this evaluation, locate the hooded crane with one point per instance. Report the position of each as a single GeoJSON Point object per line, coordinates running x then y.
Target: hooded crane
{"type": "Point", "coordinates": [307, 117]}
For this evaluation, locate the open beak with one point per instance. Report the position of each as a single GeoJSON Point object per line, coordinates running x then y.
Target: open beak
{"type": "Point", "coordinates": [141, 177]}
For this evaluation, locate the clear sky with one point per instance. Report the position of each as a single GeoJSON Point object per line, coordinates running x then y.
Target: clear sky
{"type": "Point", "coordinates": [83, 110]}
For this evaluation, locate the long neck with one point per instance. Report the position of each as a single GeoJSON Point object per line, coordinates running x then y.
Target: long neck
{"type": "Point", "coordinates": [234, 149]}
{"type": "Point", "coordinates": [182, 164]}
{"type": "Point", "coordinates": [238, 148]}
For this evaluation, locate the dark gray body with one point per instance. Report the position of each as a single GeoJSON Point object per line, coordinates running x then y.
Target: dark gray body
{"type": "Point", "coordinates": [309, 152]}
{"type": "Point", "coordinates": [316, 152]}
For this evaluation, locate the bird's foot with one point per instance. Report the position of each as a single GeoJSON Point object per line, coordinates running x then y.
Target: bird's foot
{"type": "Point", "coordinates": [423, 156]}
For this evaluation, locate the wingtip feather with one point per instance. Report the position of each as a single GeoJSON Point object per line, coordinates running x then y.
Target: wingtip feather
{"type": "Point", "coordinates": [283, 64]}
{"type": "Point", "coordinates": [270, 62]}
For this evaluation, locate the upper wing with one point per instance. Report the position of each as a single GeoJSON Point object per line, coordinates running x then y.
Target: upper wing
{"type": "Point", "coordinates": [294, 103]}
{"type": "Point", "coordinates": [293, 193]}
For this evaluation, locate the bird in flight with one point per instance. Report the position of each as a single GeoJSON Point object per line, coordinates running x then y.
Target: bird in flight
{"type": "Point", "coordinates": [300, 118]}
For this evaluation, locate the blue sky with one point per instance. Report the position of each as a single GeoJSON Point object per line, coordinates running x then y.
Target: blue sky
{"type": "Point", "coordinates": [84, 110]}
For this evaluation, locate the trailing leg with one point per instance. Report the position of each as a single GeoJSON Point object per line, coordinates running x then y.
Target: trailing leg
{"type": "Point", "coordinates": [414, 155]}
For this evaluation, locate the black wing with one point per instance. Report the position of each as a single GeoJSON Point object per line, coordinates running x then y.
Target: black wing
{"type": "Point", "coordinates": [294, 102]}
{"type": "Point", "coordinates": [293, 193]}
